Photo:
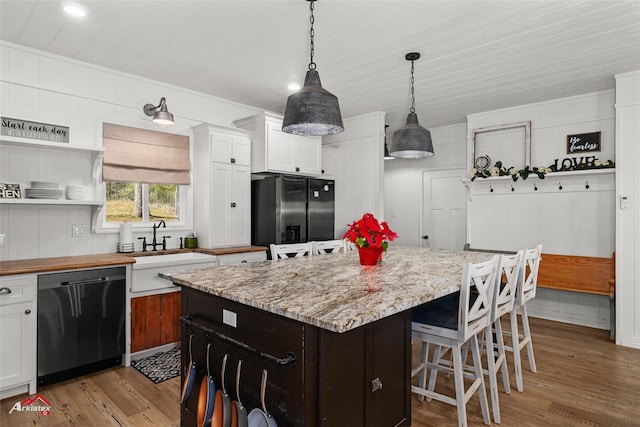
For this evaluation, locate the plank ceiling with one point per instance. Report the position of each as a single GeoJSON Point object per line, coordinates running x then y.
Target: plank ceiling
{"type": "Point", "coordinates": [476, 55]}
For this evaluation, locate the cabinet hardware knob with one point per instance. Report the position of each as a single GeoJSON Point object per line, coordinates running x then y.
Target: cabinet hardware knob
{"type": "Point", "coordinates": [297, 169]}
{"type": "Point", "coordinates": [322, 170]}
{"type": "Point", "coordinates": [5, 291]}
{"type": "Point", "coordinates": [425, 237]}
{"type": "Point", "coordinates": [376, 384]}
{"type": "Point", "coordinates": [233, 160]}
{"type": "Point", "coordinates": [233, 204]}
{"type": "Point", "coordinates": [27, 311]}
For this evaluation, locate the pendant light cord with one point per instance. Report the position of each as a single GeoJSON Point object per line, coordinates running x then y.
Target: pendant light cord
{"type": "Point", "coordinates": [312, 65]}
{"type": "Point", "coordinates": [413, 96]}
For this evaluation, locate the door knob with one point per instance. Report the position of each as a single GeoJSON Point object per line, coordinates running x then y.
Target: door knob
{"type": "Point", "coordinates": [425, 237]}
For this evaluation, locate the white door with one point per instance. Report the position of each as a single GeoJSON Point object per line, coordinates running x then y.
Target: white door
{"type": "Point", "coordinates": [240, 221]}
{"type": "Point", "coordinates": [221, 199]}
{"type": "Point", "coordinates": [444, 209]}
{"type": "Point", "coordinates": [307, 154]}
{"type": "Point", "coordinates": [279, 149]}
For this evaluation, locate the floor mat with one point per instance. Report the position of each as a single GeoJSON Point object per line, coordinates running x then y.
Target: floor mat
{"type": "Point", "coordinates": [159, 367]}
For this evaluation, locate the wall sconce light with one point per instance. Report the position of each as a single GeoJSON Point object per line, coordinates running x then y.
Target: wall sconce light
{"type": "Point", "coordinates": [161, 116]}
{"type": "Point", "coordinates": [312, 110]}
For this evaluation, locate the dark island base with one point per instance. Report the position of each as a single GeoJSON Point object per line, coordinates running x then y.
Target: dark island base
{"type": "Point", "coordinates": [333, 382]}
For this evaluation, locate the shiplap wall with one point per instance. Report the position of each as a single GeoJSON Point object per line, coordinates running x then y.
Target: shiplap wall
{"type": "Point", "coordinates": [553, 209]}
{"type": "Point", "coordinates": [46, 88]}
{"type": "Point", "coordinates": [628, 220]}
{"type": "Point", "coordinates": [359, 170]}
{"type": "Point", "coordinates": [573, 220]}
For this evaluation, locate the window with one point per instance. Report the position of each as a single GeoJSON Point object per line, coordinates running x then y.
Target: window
{"type": "Point", "coordinates": [143, 203]}
{"type": "Point", "coordinates": [147, 175]}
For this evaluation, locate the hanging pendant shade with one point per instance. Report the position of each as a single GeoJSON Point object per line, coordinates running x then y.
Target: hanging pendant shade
{"type": "Point", "coordinates": [411, 141]}
{"type": "Point", "coordinates": [312, 110]}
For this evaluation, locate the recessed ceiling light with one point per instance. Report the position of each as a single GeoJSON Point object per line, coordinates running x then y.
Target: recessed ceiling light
{"type": "Point", "coordinates": [74, 9]}
{"type": "Point", "coordinates": [294, 86]}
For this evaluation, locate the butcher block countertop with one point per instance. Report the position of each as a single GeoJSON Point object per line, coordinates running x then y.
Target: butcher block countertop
{"type": "Point", "coordinates": [40, 265]}
{"type": "Point", "coordinates": [334, 291]}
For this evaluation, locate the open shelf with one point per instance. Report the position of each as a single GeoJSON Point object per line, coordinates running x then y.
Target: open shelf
{"type": "Point", "coordinates": [51, 202]}
{"type": "Point", "coordinates": [23, 142]}
{"type": "Point", "coordinates": [590, 172]}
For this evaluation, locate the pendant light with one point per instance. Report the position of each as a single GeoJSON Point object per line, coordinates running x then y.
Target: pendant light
{"type": "Point", "coordinates": [412, 141]}
{"type": "Point", "coordinates": [312, 110]}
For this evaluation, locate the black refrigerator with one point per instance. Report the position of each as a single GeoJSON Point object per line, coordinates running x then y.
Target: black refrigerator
{"type": "Point", "coordinates": [291, 209]}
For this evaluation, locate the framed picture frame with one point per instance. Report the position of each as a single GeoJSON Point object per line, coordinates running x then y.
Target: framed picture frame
{"type": "Point", "coordinates": [10, 191]}
{"type": "Point", "coordinates": [583, 142]}
{"type": "Point", "coordinates": [509, 143]}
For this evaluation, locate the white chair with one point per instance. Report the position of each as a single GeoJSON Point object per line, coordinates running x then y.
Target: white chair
{"type": "Point", "coordinates": [290, 250]}
{"type": "Point", "coordinates": [527, 283]}
{"type": "Point", "coordinates": [349, 246]}
{"type": "Point", "coordinates": [451, 322]}
{"type": "Point", "coordinates": [327, 247]}
{"type": "Point", "coordinates": [503, 300]}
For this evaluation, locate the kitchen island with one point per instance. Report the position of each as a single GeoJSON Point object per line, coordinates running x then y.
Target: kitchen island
{"type": "Point", "coordinates": [334, 336]}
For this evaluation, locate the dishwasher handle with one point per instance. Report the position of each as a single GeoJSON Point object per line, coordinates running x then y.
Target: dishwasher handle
{"type": "Point", "coordinates": [93, 281]}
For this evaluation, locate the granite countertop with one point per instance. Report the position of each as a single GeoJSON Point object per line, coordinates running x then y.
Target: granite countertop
{"type": "Point", "coordinates": [39, 265]}
{"type": "Point", "coordinates": [334, 291]}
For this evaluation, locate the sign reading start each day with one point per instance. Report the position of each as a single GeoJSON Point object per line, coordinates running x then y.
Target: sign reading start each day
{"type": "Point", "coordinates": [34, 130]}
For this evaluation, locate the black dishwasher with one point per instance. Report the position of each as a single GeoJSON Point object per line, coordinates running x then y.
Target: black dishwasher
{"type": "Point", "coordinates": [81, 322]}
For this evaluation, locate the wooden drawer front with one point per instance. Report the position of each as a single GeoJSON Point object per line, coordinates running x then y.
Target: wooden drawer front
{"type": "Point", "coordinates": [17, 289]}
{"type": "Point", "coordinates": [260, 330]}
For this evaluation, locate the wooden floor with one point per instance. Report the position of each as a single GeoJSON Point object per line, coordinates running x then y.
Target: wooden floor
{"type": "Point", "coordinates": [582, 380]}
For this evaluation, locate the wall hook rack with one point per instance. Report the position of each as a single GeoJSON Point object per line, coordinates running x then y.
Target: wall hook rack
{"type": "Point", "coordinates": [535, 187]}
{"type": "Point", "coordinates": [490, 189]}
{"type": "Point", "coordinates": [559, 186]}
{"type": "Point", "coordinates": [512, 189]}
{"type": "Point", "coordinates": [586, 185]}
{"type": "Point", "coordinates": [288, 360]}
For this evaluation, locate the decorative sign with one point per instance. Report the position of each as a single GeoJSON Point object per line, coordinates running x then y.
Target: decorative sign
{"type": "Point", "coordinates": [574, 163]}
{"type": "Point", "coordinates": [10, 191]}
{"type": "Point", "coordinates": [583, 142]}
{"type": "Point", "coordinates": [34, 130]}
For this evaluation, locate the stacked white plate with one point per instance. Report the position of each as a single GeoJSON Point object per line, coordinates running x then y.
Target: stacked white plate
{"type": "Point", "coordinates": [75, 192]}
{"type": "Point", "coordinates": [43, 190]}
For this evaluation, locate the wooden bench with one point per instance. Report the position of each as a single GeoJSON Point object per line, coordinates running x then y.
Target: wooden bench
{"type": "Point", "coordinates": [591, 275]}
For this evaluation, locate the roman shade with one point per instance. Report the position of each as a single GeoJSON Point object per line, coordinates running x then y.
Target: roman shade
{"type": "Point", "coordinates": [144, 156]}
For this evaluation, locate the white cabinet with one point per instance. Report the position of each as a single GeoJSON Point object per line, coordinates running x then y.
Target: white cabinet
{"type": "Point", "coordinates": [222, 186]}
{"type": "Point", "coordinates": [242, 258]}
{"type": "Point", "coordinates": [329, 162]}
{"type": "Point", "coordinates": [17, 335]}
{"type": "Point", "coordinates": [277, 151]}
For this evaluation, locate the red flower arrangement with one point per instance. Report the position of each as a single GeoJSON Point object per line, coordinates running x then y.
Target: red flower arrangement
{"type": "Point", "coordinates": [369, 232]}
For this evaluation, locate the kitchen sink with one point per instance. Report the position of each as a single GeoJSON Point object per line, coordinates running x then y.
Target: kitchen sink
{"type": "Point", "coordinates": [168, 260]}
{"type": "Point", "coordinates": [146, 268]}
